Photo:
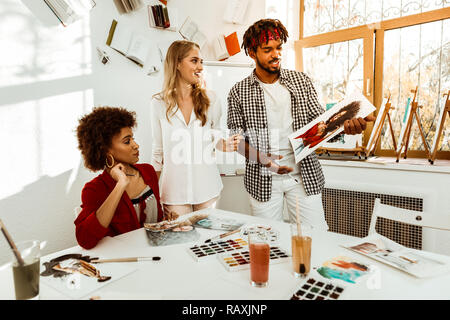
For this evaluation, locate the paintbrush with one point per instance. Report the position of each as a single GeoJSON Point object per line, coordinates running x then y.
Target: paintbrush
{"type": "Point", "coordinates": [12, 244]}
{"type": "Point", "coordinates": [223, 235]}
{"type": "Point", "coordinates": [407, 259]}
{"type": "Point", "coordinates": [133, 259]}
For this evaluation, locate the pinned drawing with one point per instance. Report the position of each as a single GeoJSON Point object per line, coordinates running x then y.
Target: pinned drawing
{"type": "Point", "coordinates": [307, 139]}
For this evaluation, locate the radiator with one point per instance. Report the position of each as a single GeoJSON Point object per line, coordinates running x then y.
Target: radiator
{"type": "Point", "coordinates": [349, 212]}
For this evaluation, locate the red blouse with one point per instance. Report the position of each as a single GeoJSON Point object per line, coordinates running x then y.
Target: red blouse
{"type": "Point", "coordinates": [88, 230]}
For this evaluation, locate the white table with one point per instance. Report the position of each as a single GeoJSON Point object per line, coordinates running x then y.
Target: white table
{"type": "Point", "coordinates": [179, 276]}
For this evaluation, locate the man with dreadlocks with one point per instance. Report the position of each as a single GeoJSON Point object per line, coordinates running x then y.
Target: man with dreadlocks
{"type": "Point", "coordinates": [266, 107]}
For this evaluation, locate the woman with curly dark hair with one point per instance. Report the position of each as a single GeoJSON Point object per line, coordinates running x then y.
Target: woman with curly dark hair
{"type": "Point", "coordinates": [125, 194]}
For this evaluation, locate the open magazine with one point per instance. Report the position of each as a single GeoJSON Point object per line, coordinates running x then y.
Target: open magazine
{"type": "Point", "coordinates": [421, 264]}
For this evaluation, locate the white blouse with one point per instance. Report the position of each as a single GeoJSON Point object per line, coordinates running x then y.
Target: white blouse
{"type": "Point", "coordinates": [185, 153]}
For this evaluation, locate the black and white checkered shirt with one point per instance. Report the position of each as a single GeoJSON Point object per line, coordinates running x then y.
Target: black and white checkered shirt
{"type": "Point", "coordinates": [247, 115]}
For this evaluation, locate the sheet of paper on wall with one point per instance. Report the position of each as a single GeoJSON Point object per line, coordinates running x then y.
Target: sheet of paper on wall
{"type": "Point", "coordinates": [41, 11]}
{"type": "Point", "coordinates": [190, 31]}
{"type": "Point", "coordinates": [132, 45]}
{"type": "Point", "coordinates": [153, 64]}
{"type": "Point", "coordinates": [418, 263]}
{"type": "Point", "coordinates": [235, 11]}
{"type": "Point", "coordinates": [312, 136]}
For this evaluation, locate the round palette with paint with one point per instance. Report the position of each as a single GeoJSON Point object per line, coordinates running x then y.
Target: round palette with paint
{"type": "Point", "coordinates": [265, 232]}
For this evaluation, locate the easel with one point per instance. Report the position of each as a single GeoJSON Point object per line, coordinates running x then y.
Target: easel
{"type": "Point", "coordinates": [356, 151]}
{"type": "Point", "coordinates": [413, 114]}
{"type": "Point", "coordinates": [377, 135]}
{"type": "Point", "coordinates": [441, 127]}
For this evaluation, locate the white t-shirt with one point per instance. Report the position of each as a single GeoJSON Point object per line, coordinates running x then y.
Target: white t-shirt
{"type": "Point", "coordinates": [279, 120]}
{"type": "Point", "coordinates": [185, 153]}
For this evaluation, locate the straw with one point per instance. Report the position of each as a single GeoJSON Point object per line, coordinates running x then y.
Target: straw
{"type": "Point", "coordinates": [11, 244]}
{"type": "Point", "coordinates": [299, 229]}
{"type": "Point", "coordinates": [299, 233]}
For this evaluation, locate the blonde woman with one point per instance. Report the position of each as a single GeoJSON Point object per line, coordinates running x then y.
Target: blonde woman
{"type": "Point", "coordinates": [186, 130]}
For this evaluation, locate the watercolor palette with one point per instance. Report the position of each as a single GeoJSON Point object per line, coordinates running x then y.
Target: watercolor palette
{"type": "Point", "coordinates": [314, 289]}
{"type": "Point", "coordinates": [203, 251]}
{"type": "Point", "coordinates": [241, 260]}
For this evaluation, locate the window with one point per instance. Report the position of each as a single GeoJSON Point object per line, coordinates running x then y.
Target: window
{"type": "Point", "coordinates": [323, 16]}
{"type": "Point", "coordinates": [383, 47]}
{"type": "Point", "coordinates": [417, 56]}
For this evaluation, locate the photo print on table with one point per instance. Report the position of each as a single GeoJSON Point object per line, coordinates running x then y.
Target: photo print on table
{"type": "Point", "coordinates": [74, 276]}
{"type": "Point", "coordinates": [418, 263]}
{"type": "Point", "coordinates": [72, 264]}
{"type": "Point", "coordinates": [331, 123]}
{"type": "Point", "coordinates": [343, 268]}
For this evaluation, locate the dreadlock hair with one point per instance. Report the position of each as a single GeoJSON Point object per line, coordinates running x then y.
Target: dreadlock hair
{"type": "Point", "coordinates": [259, 31]}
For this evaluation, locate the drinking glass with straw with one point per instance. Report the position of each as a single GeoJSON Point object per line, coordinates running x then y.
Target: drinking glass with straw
{"type": "Point", "coordinates": [301, 247]}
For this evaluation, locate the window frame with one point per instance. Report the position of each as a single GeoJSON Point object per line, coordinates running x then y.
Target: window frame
{"type": "Point", "coordinates": [373, 35]}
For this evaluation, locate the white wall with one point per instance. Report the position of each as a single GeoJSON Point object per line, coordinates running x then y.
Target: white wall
{"type": "Point", "coordinates": [49, 77]}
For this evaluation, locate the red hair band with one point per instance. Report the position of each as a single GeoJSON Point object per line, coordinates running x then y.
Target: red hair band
{"type": "Point", "coordinates": [263, 38]}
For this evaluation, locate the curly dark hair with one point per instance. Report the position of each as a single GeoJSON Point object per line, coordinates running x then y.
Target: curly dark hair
{"type": "Point", "coordinates": [96, 130]}
{"type": "Point", "coordinates": [252, 37]}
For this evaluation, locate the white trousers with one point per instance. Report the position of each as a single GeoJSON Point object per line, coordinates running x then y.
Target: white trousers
{"type": "Point", "coordinates": [285, 190]}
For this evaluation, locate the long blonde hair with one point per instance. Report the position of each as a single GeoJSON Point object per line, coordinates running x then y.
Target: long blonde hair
{"type": "Point", "coordinates": [177, 51]}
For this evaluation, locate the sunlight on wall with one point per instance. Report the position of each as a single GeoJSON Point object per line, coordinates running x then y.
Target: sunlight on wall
{"type": "Point", "coordinates": [38, 123]}
{"type": "Point", "coordinates": [35, 52]}
{"type": "Point", "coordinates": [40, 138]}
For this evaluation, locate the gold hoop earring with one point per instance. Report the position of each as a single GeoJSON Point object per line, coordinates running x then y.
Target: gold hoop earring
{"type": "Point", "coordinates": [107, 164]}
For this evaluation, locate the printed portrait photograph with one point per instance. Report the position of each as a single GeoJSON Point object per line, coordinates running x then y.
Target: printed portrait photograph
{"type": "Point", "coordinates": [331, 123]}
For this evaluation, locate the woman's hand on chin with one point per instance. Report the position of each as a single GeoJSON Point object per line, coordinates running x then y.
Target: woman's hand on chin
{"type": "Point", "coordinates": [119, 175]}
